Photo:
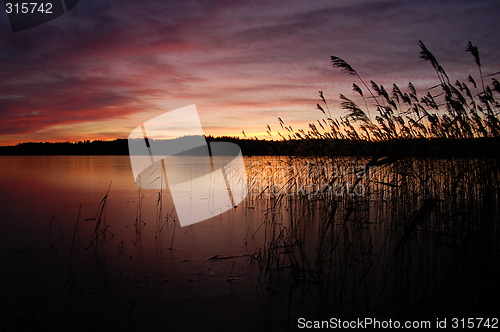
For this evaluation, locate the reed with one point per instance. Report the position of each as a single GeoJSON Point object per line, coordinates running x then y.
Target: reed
{"type": "Point", "coordinates": [386, 235]}
{"type": "Point", "coordinates": [100, 229]}
{"type": "Point", "coordinates": [458, 109]}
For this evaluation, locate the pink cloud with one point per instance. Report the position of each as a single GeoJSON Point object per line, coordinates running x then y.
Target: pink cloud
{"type": "Point", "coordinates": [112, 60]}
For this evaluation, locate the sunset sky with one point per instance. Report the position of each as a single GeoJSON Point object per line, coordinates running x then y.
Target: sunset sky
{"type": "Point", "coordinates": [109, 65]}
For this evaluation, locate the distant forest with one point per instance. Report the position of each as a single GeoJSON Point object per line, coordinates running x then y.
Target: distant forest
{"type": "Point", "coordinates": [433, 147]}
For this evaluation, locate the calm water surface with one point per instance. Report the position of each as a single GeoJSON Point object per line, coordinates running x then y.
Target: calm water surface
{"type": "Point", "coordinates": [147, 271]}
{"type": "Point", "coordinates": [83, 248]}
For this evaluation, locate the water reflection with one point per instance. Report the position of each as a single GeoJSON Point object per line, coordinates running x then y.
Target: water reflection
{"type": "Point", "coordinates": [421, 238]}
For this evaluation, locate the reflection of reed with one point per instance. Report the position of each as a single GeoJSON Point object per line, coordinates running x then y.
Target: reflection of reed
{"type": "Point", "coordinates": [170, 218]}
{"type": "Point", "coordinates": [100, 229]}
{"type": "Point", "coordinates": [162, 219]}
{"type": "Point", "coordinates": [55, 234]}
{"type": "Point", "coordinates": [139, 223]}
{"type": "Point", "coordinates": [419, 226]}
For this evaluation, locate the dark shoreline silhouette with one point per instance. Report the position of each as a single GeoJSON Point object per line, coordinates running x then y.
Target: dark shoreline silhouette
{"type": "Point", "coordinates": [420, 148]}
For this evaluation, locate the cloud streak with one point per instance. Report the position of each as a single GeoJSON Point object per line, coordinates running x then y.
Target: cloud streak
{"type": "Point", "coordinates": [109, 65]}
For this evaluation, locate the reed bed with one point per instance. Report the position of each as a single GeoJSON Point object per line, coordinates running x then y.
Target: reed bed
{"type": "Point", "coordinates": [386, 236]}
{"type": "Point", "coordinates": [449, 109]}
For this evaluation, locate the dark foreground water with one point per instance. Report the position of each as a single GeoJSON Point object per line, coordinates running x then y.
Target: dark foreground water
{"type": "Point", "coordinates": [82, 248]}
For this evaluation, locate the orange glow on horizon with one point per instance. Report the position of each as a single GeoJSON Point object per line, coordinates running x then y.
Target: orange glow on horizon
{"type": "Point", "coordinates": [261, 135]}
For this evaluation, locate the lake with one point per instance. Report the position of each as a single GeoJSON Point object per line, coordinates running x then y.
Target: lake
{"type": "Point", "coordinates": [84, 248]}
